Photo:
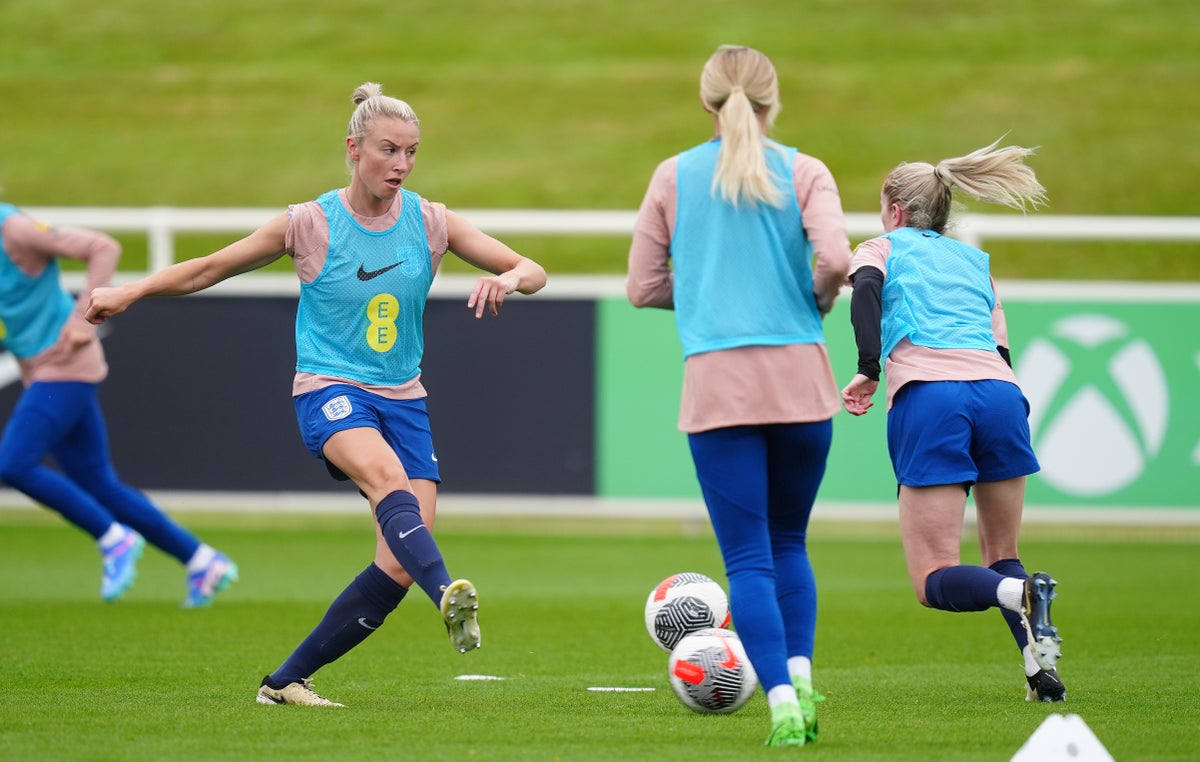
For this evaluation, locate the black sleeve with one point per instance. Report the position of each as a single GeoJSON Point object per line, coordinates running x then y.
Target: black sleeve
{"type": "Point", "coordinates": [865, 308]}
{"type": "Point", "coordinates": [1005, 354]}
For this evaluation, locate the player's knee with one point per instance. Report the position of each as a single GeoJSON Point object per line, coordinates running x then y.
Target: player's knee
{"type": "Point", "coordinates": [388, 564]}
{"type": "Point", "coordinates": [384, 480]}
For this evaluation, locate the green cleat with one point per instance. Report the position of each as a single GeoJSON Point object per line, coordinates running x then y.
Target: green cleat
{"type": "Point", "coordinates": [808, 706]}
{"type": "Point", "coordinates": [789, 732]}
{"type": "Point", "coordinates": [787, 726]}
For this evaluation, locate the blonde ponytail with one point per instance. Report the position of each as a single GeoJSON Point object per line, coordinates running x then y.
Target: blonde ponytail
{"type": "Point", "coordinates": [737, 84]}
{"type": "Point", "coordinates": [989, 174]}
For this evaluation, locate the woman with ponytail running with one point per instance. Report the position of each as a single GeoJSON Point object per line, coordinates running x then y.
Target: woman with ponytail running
{"type": "Point", "coordinates": [957, 420]}
{"type": "Point", "coordinates": [745, 239]}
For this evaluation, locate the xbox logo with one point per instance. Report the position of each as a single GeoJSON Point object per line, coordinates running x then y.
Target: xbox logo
{"type": "Point", "coordinates": [1098, 404]}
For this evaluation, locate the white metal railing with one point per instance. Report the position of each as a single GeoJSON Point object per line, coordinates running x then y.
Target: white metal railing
{"type": "Point", "coordinates": [161, 224]}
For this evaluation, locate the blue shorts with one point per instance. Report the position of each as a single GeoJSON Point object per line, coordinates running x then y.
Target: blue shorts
{"type": "Point", "coordinates": [404, 424]}
{"type": "Point", "coordinates": [959, 432]}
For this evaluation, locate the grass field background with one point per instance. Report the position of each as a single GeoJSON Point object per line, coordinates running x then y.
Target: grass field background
{"type": "Point", "coordinates": [562, 611]}
{"type": "Point", "coordinates": [570, 104]}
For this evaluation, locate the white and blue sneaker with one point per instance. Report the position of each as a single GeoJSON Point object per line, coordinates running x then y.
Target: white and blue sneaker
{"type": "Point", "coordinates": [120, 566]}
{"type": "Point", "coordinates": [204, 584]}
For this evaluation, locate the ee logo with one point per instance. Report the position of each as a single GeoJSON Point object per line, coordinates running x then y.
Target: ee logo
{"type": "Point", "coordinates": [382, 313]}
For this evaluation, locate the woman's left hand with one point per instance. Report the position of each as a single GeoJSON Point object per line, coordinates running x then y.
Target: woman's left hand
{"type": "Point", "coordinates": [489, 293]}
{"type": "Point", "coordinates": [857, 394]}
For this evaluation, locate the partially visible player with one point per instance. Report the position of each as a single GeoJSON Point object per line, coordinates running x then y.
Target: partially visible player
{"type": "Point", "coordinates": [365, 255]}
{"type": "Point", "coordinates": [957, 419]}
{"type": "Point", "coordinates": [58, 414]}
{"type": "Point", "coordinates": [745, 239]}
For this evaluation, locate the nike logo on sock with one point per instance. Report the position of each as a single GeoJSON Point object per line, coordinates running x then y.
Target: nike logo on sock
{"type": "Point", "coordinates": [363, 621]}
{"type": "Point", "coordinates": [364, 275]}
{"type": "Point", "coordinates": [402, 535]}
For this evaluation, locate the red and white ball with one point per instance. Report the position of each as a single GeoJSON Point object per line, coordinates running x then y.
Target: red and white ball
{"type": "Point", "coordinates": [710, 673]}
{"type": "Point", "coordinates": [682, 604]}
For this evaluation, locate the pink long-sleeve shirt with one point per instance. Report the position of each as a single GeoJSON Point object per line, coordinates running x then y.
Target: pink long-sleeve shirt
{"type": "Point", "coordinates": [32, 245]}
{"type": "Point", "coordinates": [755, 384]}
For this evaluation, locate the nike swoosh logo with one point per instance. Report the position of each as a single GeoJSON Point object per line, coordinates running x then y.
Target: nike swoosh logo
{"type": "Point", "coordinates": [364, 275]}
{"type": "Point", "coordinates": [365, 623]}
{"type": "Point", "coordinates": [402, 535]}
{"type": "Point", "coordinates": [731, 659]}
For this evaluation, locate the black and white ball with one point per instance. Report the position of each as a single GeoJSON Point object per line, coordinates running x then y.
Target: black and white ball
{"type": "Point", "coordinates": [682, 604]}
{"type": "Point", "coordinates": [710, 673]}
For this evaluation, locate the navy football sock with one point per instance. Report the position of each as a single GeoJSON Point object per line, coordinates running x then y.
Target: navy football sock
{"type": "Point", "coordinates": [353, 615]}
{"type": "Point", "coordinates": [1012, 567]}
{"type": "Point", "coordinates": [399, 516]}
{"type": "Point", "coordinates": [963, 588]}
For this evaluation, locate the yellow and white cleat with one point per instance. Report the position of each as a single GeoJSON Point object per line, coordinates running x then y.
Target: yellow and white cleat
{"type": "Point", "coordinates": [298, 693]}
{"type": "Point", "coordinates": [460, 607]}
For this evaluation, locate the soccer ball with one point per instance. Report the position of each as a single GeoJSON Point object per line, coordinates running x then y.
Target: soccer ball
{"type": "Point", "coordinates": [682, 604]}
{"type": "Point", "coordinates": [710, 672]}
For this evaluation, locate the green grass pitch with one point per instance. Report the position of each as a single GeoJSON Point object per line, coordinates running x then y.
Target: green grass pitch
{"type": "Point", "coordinates": [550, 104]}
{"type": "Point", "coordinates": [561, 611]}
